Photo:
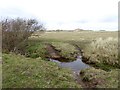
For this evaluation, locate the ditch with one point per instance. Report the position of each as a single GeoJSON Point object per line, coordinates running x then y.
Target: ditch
{"type": "Point", "coordinates": [75, 66]}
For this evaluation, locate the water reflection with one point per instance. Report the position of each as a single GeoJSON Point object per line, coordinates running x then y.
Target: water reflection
{"type": "Point", "coordinates": [76, 65]}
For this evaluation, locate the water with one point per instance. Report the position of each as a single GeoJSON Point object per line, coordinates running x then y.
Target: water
{"type": "Point", "coordinates": [75, 66]}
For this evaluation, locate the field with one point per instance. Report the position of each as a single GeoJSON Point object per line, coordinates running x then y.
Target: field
{"type": "Point", "coordinates": [99, 47]}
{"type": "Point", "coordinates": [33, 69]}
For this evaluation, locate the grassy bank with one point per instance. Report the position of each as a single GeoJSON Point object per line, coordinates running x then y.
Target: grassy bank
{"type": "Point", "coordinates": [22, 72]}
{"type": "Point", "coordinates": [34, 71]}
{"type": "Point", "coordinates": [99, 78]}
{"type": "Point", "coordinates": [66, 50]}
{"type": "Point", "coordinates": [101, 48]}
{"type": "Point", "coordinates": [35, 49]}
{"type": "Point", "coordinates": [103, 51]}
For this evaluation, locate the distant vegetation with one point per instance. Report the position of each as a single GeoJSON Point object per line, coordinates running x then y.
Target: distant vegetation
{"type": "Point", "coordinates": [102, 30]}
{"type": "Point", "coordinates": [75, 30]}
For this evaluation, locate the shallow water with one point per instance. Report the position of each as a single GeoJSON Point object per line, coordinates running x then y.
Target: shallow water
{"type": "Point", "coordinates": [75, 66]}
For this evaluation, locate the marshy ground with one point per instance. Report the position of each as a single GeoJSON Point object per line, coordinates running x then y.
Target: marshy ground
{"type": "Point", "coordinates": [98, 49]}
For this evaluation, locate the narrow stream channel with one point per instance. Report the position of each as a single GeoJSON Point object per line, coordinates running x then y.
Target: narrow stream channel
{"type": "Point", "coordinates": [75, 66]}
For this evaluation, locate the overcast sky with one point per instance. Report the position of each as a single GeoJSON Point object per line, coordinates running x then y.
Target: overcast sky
{"type": "Point", "coordinates": [65, 14]}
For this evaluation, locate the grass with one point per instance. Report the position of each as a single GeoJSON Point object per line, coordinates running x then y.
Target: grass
{"type": "Point", "coordinates": [34, 71]}
{"type": "Point", "coordinates": [66, 50]}
{"type": "Point", "coordinates": [100, 47]}
{"type": "Point", "coordinates": [0, 70]}
{"type": "Point", "coordinates": [77, 36]}
{"type": "Point", "coordinates": [22, 72]}
{"type": "Point", "coordinates": [0, 73]}
{"type": "Point", "coordinates": [103, 51]}
{"type": "Point", "coordinates": [101, 78]}
{"type": "Point", "coordinates": [35, 49]}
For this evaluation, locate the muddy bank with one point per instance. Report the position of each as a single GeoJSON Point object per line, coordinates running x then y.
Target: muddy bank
{"type": "Point", "coordinates": [75, 65]}
{"type": "Point", "coordinates": [63, 62]}
{"type": "Point", "coordinates": [81, 53]}
{"type": "Point", "coordinates": [93, 64]}
{"type": "Point", "coordinates": [54, 54]}
{"type": "Point", "coordinates": [84, 83]}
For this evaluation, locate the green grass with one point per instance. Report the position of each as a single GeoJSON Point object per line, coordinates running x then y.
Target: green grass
{"type": "Point", "coordinates": [101, 78]}
{"type": "Point", "coordinates": [22, 72]}
{"type": "Point", "coordinates": [34, 71]}
{"type": "Point", "coordinates": [0, 73]}
{"type": "Point", "coordinates": [66, 50]}
{"type": "Point", "coordinates": [35, 49]}
{"type": "Point", "coordinates": [99, 47]}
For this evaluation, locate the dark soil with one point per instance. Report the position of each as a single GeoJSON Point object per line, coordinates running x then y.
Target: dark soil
{"type": "Point", "coordinates": [54, 54]}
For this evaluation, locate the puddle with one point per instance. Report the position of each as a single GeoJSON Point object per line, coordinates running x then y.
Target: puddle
{"type": "Point", "coordinates": [75, 66]}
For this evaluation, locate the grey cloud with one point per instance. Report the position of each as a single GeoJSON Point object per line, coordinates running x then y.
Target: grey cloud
{"type": "Point", "coordinates": [14, 12]}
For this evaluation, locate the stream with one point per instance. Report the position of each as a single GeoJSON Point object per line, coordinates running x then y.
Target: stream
{"type": "Point", "coordinates": [75, 66]}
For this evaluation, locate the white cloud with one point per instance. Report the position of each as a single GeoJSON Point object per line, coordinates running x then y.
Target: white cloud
{"type": "Point", "coordinates": [65, 14]}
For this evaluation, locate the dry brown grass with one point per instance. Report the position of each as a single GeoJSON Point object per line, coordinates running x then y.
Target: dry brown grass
{"type": "Point", "coordinates": [103, 51]}
{"type": "Point", "coordinates": [77, 36]}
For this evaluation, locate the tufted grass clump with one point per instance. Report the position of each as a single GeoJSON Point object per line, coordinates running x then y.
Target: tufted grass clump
{"type": "Point", "coordinates": [103, 51]}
